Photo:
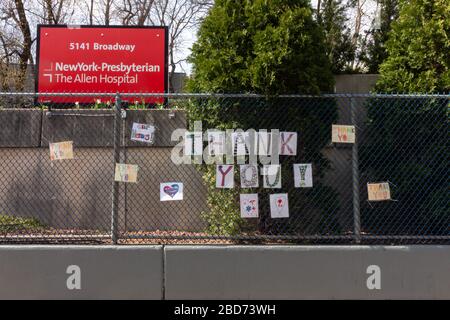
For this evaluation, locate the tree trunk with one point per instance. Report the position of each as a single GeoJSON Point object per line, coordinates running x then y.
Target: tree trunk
{"type": "Point", "coordinates": [318, 10]}
{"type": "Point", "coordinates": [25, 55]}
{"type": "Point", "coordinates": [91, 13]}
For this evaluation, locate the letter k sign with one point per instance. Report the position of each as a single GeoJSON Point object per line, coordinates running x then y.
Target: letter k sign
{"type": "Point", "coordinates": [288, 143]}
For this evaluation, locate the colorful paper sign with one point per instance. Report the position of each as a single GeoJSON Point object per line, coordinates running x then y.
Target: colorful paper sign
{"type": "Point", "coordinates": [303, 175]}
{"type": "Point", "coordinates": [171, 191]}
{"type": "Point", "coordinates": [61, 150]}
{"type": "Point", "coordinates": [272, 176]}
{"type": "Point", "coordinates": [249, 205]}
{"type": "Point", "coordinates": [126, 172]}
{"type": "Point", "coordinates": [142, 132]}
{"type": "Point", "coordinates": [193, 144]}
{"type": "Point", "coordinates": [279, 206]}
{"type": "Point", "coordinates": [342, 134]}
{"type": "Point", "coordinates": [216, 143]}
{"type": "Point", "coordinates": [249, 176]}
{"type": "Point", "coordinates": [288, 143]}
{"type": "Point", "coordinates": [379, 191]}
{"type": "Point", "coordinates": [225, 176]}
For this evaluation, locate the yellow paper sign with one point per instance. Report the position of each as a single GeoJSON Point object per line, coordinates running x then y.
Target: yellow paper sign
{"type": "Point", "coordinates": [126, 172]}
{"type": "Point", "coordinates": [378, 191]}
{"type": "Point", "coordinates": [343, 134]}
{"type": "Point", "coordinates": [61, 150]}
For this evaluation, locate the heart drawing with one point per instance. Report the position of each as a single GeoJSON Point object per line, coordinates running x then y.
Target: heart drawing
{"type": "Point", "coordinates": [171, 190]}
{"type": "Point", "coordinates": [280, 202]}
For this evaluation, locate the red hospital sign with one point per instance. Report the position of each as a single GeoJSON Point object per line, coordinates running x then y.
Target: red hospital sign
{"type": "Point", "coordinates": [87, 59]}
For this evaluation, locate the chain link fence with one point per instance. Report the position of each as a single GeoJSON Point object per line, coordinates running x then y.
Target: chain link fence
{"type": "Point", "coordinates": [152, 168]}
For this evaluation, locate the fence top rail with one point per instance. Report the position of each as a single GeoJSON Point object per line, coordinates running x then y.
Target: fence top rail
{"type": "Point", "coordinates": [227, 95]}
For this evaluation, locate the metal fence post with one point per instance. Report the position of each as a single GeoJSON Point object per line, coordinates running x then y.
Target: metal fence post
{"type": "Point", "coordinates": [355, 176]}
{"type": "Point", "coordinates": [115, 184]}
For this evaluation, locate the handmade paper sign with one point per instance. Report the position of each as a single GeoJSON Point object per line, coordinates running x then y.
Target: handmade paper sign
{"type": "Point", "coordinates": [303, 175]}
{"type": "Point", "coordinates": [126, 172]}
{"type": "Point", "coordinates": [379, 191]}
{"type": "Point", "coordinates": [61, 150]}
{"type": "Point", "coordinates": [142, 132]}
{"type": "Point", "coordinates": [272, 176]}
{"type": "Point", "coordinates": [279, 207]}
{"type": "Point", "coordinates": [288, 143]}
{"type": "Point", "coordinates": [216, 143]}
{"type": "Point", "coordinates": [342, 134]}
{"type": "Point", "coordinates": [249, 176]}
{"type": "Point", "coordinates": [264, 143]}
{"type": "Point", "coordinates": [240, 148]}
{"type": "Point", "coordinates": [193, 144]}
{"type": "Point", "coordinates": [224, 176]}
{"type": "Point", "coordinates": [170, 191]}
{"type": "Point", "coordinates": [249, 205]}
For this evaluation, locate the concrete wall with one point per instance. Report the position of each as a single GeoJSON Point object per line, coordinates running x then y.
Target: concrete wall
{"type": "Point", "coordinates": [41, 272]}
{"type": "Point", "coordinates": [411, 272]}
{"type": "Point", "coordinates": [77, 193]}
{"type": "Point", "coordinates": [355, 83]}
{"type": "Point", "coordinates": [226, 272]}
{"type": "Point", "coordinates": [20, 128]}
{"type": "Point", "coordinates": [95, 128]}
{"type": "Point", "coordinates": [69, 194]}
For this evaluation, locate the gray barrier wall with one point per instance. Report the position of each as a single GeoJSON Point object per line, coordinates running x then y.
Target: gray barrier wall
{"type": "Point", "coordinates": [81, 272]}
{"type": "Point", "coordinates": [307, 272]}
{"type": "Point", "coordinates": [225, 272]}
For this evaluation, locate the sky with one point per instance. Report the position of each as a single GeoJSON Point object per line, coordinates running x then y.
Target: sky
{"type": "Point", "coordinates": [369, 7]}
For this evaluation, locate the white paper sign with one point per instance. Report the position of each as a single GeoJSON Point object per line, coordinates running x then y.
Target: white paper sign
{"type": "Point", "coordinates": [249, 205]}
{"type": "Point", "coordinates": [342, 134]}
{"type": "Point", "coordinates": [264, 143]}
{"type": "Point", "coordinates": [193, 144]}
{"type": "Point", "coordinates": [279, 206]}
{"type": "Point", "coordinates": [216, 143]}
{"type": "Point", "coordinates": [240, 143]}
{"type": "Point", "coordinates": [170, 191]}
{"type": "Point", "coordinates": [272, 176]}
{"type": "Point", "coordinates": [249, 176]}
{"type": "Point", "coordinates": [288, 143]}
{"type": "Point", "coordinates": [225, 176]}
{"type": "Point", "coordinates": [143, 132]}
{"type": "Point", "coordinates": [303, 175]}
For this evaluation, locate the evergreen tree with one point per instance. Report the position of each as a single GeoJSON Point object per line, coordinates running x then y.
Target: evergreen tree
{"type": "Point", "coordinates": [338, 38]}
{"type": "Point", "coordinates": [407, 139]}
{"type": "Point", "coordinates": [418, 49]}
{"type": "Point", "coordinates": [267, 47]}
{"type": "Point", "coordinates": [374, 49]}
{"type": "Point", "coordinates": [261, 47]}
